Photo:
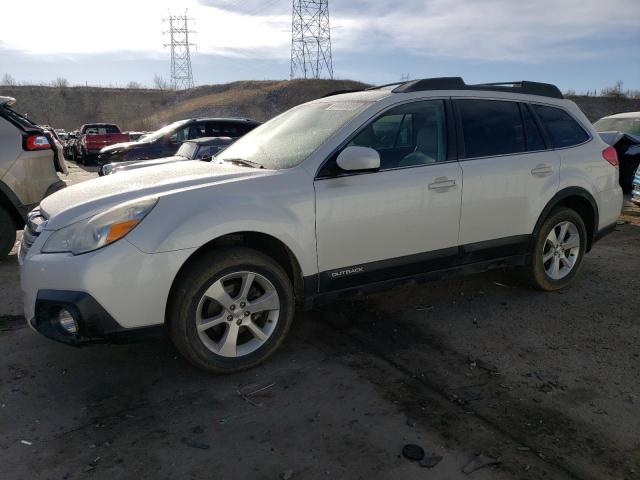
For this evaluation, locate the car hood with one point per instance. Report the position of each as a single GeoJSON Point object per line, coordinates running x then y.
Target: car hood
{"type": "Point", "coordinates": [124, 146]}
{"type": "Point", "coordinates": [135, 164]}
{"type": "Point", "coordinates": [86, 199]}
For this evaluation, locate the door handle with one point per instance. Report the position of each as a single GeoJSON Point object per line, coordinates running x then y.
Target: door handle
{"type": "Point", "coordinates": [542, 170]}
{"type": "Point", "coordinates": [442, 183]}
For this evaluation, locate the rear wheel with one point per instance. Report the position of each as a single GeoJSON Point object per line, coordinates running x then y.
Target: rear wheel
{"type": "Point", "coordinates": [558, 251]}
{"type": "Point", "coordinates": [7, 233]}
{"type": "Point", "coordinates": [231, 310]}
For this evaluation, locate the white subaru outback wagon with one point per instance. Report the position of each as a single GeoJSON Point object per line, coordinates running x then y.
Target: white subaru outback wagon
{"type": "Point", "coordinates": [351, 192]}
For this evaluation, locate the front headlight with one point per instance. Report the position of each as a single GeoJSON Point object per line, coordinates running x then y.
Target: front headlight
{"type": "Point", "coordinates": [100, 230]}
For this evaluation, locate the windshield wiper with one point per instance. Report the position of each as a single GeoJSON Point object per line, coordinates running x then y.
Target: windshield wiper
{"type": "Point", "coordinates": [242, 161]}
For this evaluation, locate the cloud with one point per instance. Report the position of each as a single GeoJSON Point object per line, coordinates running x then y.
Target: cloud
{"type": "Point", "coordinates": [494, 30]}
{"type": "Point", "coordinates": [485, 30]}
{"type": "Point", "coordinates": [250, 7]}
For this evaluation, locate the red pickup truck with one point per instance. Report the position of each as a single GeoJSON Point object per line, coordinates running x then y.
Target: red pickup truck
{"type": "Point", "coordinates": [95, 136]}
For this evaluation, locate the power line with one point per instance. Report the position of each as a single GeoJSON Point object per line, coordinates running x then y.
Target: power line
{"type": "Point", "coordinates": [181, 73]}
{"type": "Point", "coordinates": [311, 39]}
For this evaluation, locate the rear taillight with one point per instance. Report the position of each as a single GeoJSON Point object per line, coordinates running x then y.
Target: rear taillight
{"type": "Point", "coordinates": [611, 156]}
{"type": "Point", "coordinates": [36, 142]}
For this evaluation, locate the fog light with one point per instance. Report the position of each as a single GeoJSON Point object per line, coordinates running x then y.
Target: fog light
{"type": "Point", "coordinates": [67, 322]}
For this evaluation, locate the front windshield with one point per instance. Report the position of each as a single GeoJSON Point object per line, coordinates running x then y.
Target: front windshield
{"type": "Point", "coordinates": [187, 150]}
{"type": "Point", "coordinates": [152, 137]}
{"type": "Point", "coordinates": [291, 137]}
{"type": "Point", "coordinates": [624, 125]}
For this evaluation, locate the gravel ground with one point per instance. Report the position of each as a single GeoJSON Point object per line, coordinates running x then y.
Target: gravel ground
{"type": "Point", "coordinates": [547, 383]}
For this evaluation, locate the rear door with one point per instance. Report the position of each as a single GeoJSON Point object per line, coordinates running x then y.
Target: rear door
{"type": "Point", "coordinates": [508, 175]}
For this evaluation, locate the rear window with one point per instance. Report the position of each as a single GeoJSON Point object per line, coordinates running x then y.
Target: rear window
{"type": "Point", "coordinates": [17, 119]}
{"type": "Point", "coordinates": [625, 125]}
{"type": "Point", "coordinates": [102, 130]}
{"type": "Point", "coordinates": [562, 129]}
{"type": "Point", "coordinates": [491, 127]}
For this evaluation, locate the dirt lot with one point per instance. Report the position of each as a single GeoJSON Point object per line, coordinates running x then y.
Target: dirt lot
{"type": "Point", "coordinates": [547, 383]}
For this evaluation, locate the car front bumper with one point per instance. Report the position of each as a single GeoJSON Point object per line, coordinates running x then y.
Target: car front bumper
{"type": "Point", "coordinates": [94, 324]}
{"type": "Point", "coordinates": [127, 287]}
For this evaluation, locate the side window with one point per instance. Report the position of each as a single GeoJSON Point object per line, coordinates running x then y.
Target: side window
{"type": "Point", "coordinates": [179, 136]}
{"type": "Point", "coordinates": [534, 139]}
{"type": "Point", "coordinates": [563, 130]}
{"type": "Point", "coordinates": [490, 127]}
{"type": "Point", "coordinates": [196, 130]}
{"type": "Point", "coordinates": [225, 129]}
{"type": "Point", "coordinates": [187, 133]}
{"type": "Point", "coordinates": [407, 135]}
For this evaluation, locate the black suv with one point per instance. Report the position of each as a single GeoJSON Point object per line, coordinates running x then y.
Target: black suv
{"type": "Point", "coordinates": [166, 141]}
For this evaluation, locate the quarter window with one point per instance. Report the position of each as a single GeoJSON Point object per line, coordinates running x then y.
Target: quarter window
{"type": "Point", "coordinates": [563, 130]}
{"type": "Point", "coordinates": [491, 127]}
{"type": "Point", "coordinates": [407, 135]}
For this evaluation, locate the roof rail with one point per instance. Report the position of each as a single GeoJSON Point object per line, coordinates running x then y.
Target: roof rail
{"type": "Point", "coordinates": [338, 92]}
{"type": "Point", "coordinates": [457, 83]}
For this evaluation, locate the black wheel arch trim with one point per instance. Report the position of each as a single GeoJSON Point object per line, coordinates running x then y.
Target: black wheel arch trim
{"type": "Point", "coordinates": [557, 200]}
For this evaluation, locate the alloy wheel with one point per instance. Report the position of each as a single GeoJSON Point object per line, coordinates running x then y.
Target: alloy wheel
{"type": "Point", "coordinates": [237, 314]}
{"type": "Point", "coordinates": [561, 250]}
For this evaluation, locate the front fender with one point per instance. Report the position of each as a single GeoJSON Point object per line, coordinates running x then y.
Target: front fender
{"type": "Point", "coordinates": [279, 205]}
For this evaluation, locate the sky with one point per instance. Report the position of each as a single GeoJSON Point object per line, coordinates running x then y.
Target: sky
{"type": "Point", "coordinates": [580, 45]}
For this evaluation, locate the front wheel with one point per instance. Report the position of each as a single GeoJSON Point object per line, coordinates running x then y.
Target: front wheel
{"type": "Point", "coordinates": [231, 310]}
{"type": "Point", "coordinates": [558, 251]}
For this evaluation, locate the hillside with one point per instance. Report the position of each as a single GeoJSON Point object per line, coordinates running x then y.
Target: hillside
{"type": "Point", "coordinates": [147, 109]}
{"type": "Point", "coordinates": [70, 107]}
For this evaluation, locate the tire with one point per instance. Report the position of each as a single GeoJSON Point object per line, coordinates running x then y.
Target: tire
{"type": "Point", "coordinates": [549, 265]}
{"type": "Point", "coordinates": [194, 301]}
{"type": "Point", "coordinates": [7, 233]}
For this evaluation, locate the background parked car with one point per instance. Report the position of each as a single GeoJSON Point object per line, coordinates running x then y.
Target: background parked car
{"type": "Point", "coordinates": [135, 136]}
{"type": "Point", "coordinates": [58, 149]}
{"type": "Point", "coordinates": [622, 131]}
{"type": "Point", "coordinates": [27, 171]}
{"type": "Point", "coordinates": [61, 133]}
{"type": "Point", "coordinates": [197, 149]}
{"type": "Point", "coordinates": [70, 144]}
{"type": "Point", "coordinates": [94, 137]}
{"type": "Point", "coordinates": [166, 141]}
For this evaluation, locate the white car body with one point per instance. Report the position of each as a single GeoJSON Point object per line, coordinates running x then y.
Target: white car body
{"type": "Point", "coordinates": [335, 228]}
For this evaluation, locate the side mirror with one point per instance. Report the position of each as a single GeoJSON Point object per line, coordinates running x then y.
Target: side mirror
{"type": "Point", "coordinates": [358, 158]}
{"type": "Point", "coordinates": [206, 158]}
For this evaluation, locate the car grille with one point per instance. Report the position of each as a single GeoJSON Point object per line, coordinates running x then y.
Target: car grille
{"type": "Point", "coordinates": [35, 223]}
